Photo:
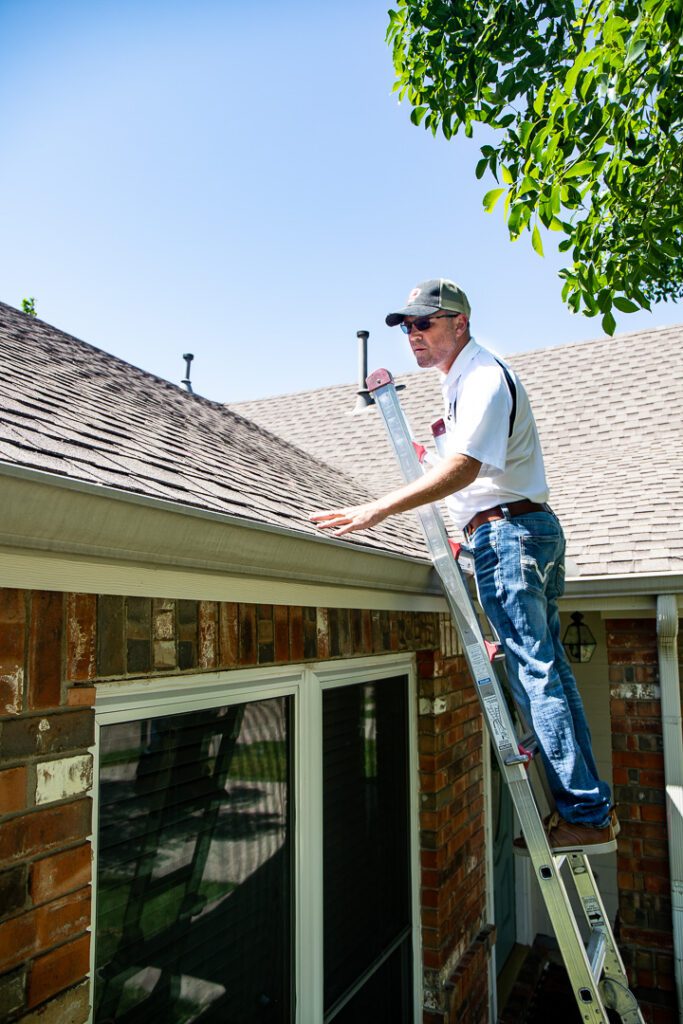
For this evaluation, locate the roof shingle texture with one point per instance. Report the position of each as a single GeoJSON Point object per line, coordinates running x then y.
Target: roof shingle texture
{"type": "Point", "coordinates": [69, 409]}
{"type": "Point", "coordinates": [609, 416]}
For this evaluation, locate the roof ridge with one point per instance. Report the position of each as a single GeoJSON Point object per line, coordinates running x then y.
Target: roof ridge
{"type": "Point", "coordinates": [175, 389]}
{"type": "Point", "coordinates": [604, 339]}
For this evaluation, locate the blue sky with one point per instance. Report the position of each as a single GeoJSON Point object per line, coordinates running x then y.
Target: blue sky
{"type": "Point", "coordinates": [237, 180]}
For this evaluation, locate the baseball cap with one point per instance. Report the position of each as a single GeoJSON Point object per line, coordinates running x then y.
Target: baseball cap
{"type": "Point", "coordinates": [429, 297]}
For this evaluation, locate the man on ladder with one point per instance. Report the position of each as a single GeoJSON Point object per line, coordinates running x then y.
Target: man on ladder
{"type": "Point", "coordinates": [493, 480]}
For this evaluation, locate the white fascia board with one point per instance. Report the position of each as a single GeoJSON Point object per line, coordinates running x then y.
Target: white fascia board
{"type": "Point", "coordinates": [634, 593]}
{"type": "Point", "coordinates": [61, 534]}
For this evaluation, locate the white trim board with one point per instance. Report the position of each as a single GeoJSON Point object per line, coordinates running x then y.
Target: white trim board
{"type": "Point", "coordinates": [27, 569]}
{"type": "Point", "coordinates": [30, 570]}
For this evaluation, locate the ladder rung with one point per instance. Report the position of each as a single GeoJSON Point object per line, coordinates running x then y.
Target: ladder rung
{"type": "Point", "coordinates": [527, 750]}
{"type": "Point", "coordinates": [420, 451]}
{"type": "Point", "coordinates": [528, 745]}
{"type": "Point", "coordinates": [494, 650]}
{"type": "Point", "coordinates": [596, 951]}
{"type": "Point", "coordinates": [463, 557]}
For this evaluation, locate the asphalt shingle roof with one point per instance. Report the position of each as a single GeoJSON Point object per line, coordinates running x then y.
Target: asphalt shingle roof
{"type": "Point", "coordinates": [69, 409]}
{"type": "Point", "coordinates": [609, 416]}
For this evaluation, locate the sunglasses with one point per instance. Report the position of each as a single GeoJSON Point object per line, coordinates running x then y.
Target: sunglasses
{"type": "Point", "coordinates": [423, 323]}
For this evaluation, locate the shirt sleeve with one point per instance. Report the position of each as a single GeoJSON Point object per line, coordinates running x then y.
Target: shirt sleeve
{"type": "Point", "coordinates": [482, 417]}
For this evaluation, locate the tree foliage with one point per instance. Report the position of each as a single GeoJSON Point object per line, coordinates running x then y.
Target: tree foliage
{"type": "Point", "coordinates": [585, 103]}
{"type": "Point", "coordinates": [29, 306]}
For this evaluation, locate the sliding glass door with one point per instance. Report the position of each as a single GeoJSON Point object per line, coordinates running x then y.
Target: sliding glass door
{"type": "Point", "coordinates": [256, 849]}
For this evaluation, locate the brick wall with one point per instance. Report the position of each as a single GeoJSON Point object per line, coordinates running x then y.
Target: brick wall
{"type": "Point", "coordinates": [645, 925]}
{"type": "Point", "coordinates": [54, 648]}
{"type": "Point", "coordinates": [452, 837]}
{"type": "Point", "coordinates": [45, 817]}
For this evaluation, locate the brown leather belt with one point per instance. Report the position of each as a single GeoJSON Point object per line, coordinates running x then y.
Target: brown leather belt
{"type": "Point", "coordinates": [515, 508]}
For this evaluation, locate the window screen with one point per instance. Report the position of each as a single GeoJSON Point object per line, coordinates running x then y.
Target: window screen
{"type": "Point", "coordinates": [367, 903]}
{"type": "Point", "coordinates": [194, 890]}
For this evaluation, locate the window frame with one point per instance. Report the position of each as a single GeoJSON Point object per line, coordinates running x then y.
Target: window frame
{"type": "Point", "coordinates": [305, 684]}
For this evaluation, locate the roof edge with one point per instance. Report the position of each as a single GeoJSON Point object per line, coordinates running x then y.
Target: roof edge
{"type": "Point", "coordinates": [63, 518]}
{"type": "Point", "coordinates": [624, 585]}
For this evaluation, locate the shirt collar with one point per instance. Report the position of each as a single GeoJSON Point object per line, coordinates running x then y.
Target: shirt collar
{"type": "Point", "coordinates": [466, 356]}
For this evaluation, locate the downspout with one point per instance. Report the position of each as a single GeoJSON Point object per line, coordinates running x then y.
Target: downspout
{"type": "Point", "coordinates": [667, 649]}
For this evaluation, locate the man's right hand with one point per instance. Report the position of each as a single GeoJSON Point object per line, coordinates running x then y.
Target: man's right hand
{"type": "Point", "coordinates": [347, 520]}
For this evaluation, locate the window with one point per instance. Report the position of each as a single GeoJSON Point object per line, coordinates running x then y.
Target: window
{"type": "Point", "coordinates": [193, 878]}
{"type": "Point", "coordinates": [366, 857]}
{"type": "Point", "coordinates": [244, 826]}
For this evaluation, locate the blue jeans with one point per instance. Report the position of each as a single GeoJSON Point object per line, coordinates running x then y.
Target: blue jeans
{"type": "Point", "coordinates": [519, 565]}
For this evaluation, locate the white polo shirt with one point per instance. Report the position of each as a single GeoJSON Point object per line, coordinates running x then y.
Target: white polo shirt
{"type": "Point", "coordinates": [478, 405]}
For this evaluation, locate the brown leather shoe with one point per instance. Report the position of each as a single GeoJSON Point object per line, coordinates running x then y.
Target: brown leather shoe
{"type": "Point", "coordinates": [567, 836]}
{"type": "Point", "coordinates": [614, 821]}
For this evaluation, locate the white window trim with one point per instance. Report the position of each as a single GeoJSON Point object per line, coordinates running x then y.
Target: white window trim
{"type": "Point", "coordinates": [151, 698]}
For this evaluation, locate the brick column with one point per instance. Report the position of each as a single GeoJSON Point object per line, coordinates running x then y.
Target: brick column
{"type": "Point", "coordinates": [645, 926]}
{"type": "Point", "coordinates": [456, 940]}
{"type": "Point", "coordinates": [46, 728]}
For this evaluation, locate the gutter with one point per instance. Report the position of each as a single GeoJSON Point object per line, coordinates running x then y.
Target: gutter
{"type": "Point", "coordinates": [77, 486]}
{"type": "Point", "coordinates": [667, 648]}
{"type": "Point", "coordinates": [617, 585]}
{"type": "Point", "coordinates": [75, 536]}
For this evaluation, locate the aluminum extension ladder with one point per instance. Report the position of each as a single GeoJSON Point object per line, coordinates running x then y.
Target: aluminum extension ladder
{"type": "Point", "coordinates": [596, 970]}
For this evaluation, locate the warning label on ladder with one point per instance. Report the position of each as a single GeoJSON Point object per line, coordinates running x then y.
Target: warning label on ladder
{"type": "Point", "coordinates": [496, 722]}
{"type": "Point", "coordinates": [481, 669]}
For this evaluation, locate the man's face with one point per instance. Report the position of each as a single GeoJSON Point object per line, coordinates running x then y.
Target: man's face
{"type": "Point", "coordinates": [439, 343]}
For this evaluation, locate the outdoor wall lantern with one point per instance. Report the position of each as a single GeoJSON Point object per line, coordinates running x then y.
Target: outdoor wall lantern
{"type": "Point", "coordinates": [579, 642]}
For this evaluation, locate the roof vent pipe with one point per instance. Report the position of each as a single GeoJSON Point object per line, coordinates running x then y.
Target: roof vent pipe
{"type": "Point", "coordinates": [364, 397]}
{"type": "Point", "coordinates": [187, 384]}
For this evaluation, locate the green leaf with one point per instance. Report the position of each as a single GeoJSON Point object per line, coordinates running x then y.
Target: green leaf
{"type": "Point", "coordinates": [557, 100]}
{"type": "Point", "coordinates": [635, 48]}
{"type": "Point", "coordinates": [540, 98]}
{"type": "Point", "coordinates": [524, 132]}
{"type": "Point", "coordinates": [581, 169]}
{"type": "Point", "coordinates": [491, 198]}
{"type": "Point", "coordinates": [582, 61]}
{"type": "Point", "coordinates": [625, 305]}
{"type": "Point", "coordinates": [514, 221]}
{"type": "Point", "coordinates": [528, 185]}
{"type": "Point", "coordinates": [506, 174]}
{"type": "Point", "coordinates": [609, 324]}
{"type": "Point", "coordinates": [417, 114]}
{"type": "Point", "coordinates": [536, 240]}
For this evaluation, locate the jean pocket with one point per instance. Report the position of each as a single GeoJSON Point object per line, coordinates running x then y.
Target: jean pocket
{"type": "Point", "coordinates": [539, 558]}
